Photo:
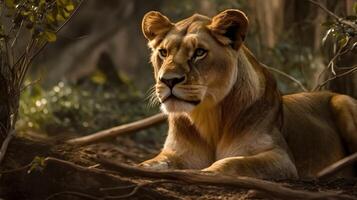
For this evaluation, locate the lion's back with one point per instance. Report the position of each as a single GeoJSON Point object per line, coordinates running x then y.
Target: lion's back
{"type": "Point", "coordinates": [311, 132]}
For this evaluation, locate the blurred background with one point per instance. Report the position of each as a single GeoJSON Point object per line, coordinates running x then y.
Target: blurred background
{"type": "Point", "coordinates": [97, 74]}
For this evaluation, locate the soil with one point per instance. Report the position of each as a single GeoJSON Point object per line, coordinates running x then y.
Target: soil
{"type": "Point", "coordinates": [56, 181]}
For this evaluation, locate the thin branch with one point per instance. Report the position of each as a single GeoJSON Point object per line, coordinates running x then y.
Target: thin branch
{"type": "Point", "coordinates": [7, 51]}
{"type": "Point", "coordinates": [351, 71]}
{"type": "Point", "coordinates": [135, 190]}
{"type": "Point", "coordinates": [287, 76]}
{"type": "Point", "coordinates": [119, 130]}
{"type": "Point", "coordinates": [337, 166]}
{"type": "Point", "coordinates": [58, 30]}
{"type": "Point", "coordinates": [101, 172]}
{"type": "Point", "coordinates": [73, 193]}
{"type": "Point", "coordinates": [274, 189]}
{"type": "Point", "coordinates": [106, 173]}
{"type": "Point", "coordinates": [332, 61]}
{"type": "Point", "coordinates": [5, 145]}
{"type": "Point", "coordinates": [17, 34]}
{"type": "Point", "coordinates": [22, 168]}
{"type": "Point", "coordinates": [30, 84]}
{"type": "Point", "coordinates": [24, 62]}
{"type": "Point", "coordinates": [338, 19]}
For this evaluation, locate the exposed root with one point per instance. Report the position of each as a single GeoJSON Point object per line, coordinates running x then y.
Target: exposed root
{"type": "Point", "coordinates": [273, 189]}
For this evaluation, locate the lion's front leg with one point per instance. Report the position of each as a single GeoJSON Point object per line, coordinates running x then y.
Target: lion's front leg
{"type": "Point", "coordinates": [183, 149]}
{"type": "Point", "coordinates": [274, 163]}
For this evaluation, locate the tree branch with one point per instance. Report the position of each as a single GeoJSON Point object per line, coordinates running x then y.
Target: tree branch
{"type": "Point", "coordinates": [352, 70]}
{"type": "Point", "coordinates": [293, 79]}
{"type": "Point", "coordinates": [5, 144]}
{"type": "Point", "coordinates": [271, 188]}
{"type": "Point", "coordinates": [58, 30]}
{"type": "Point", "coordinates": [338, 19]}
{"type": "Point", "coordinates": [118, 130]}
{"type": "Point", "coordinates": [24, 61]}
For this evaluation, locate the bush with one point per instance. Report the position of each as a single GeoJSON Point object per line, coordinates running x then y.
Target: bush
{"type": "Point", "coordinates": [81, 109]}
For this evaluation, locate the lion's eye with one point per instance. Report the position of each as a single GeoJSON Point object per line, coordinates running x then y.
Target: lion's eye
{"type": "Point", "coordinates": [199, 53]}
{"type": "Point", "coordinates": [163, 53]}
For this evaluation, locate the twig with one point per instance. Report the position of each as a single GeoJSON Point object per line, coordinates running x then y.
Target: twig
{"type": "Point", "coordinates": [352, 70]}
{"type": "Point", "coordinates": [287, 76]}
{"type": "Point", "coordinates": [58, 30]}
{"type": "Point", "coordinates": [332, 61]}
{"type": "Point", "coordinates": [17, 34]}
{"type": "Point", "coordinates": [135, 190]}
{"type": "Point", "coordinates": [125, 196]}
{"type": "Point", "coordinates": [30, 84]}
{"type": "Point", "coordinates": [118, 130]}
{"type": "Point", "coordinates": [337, 166]}
{"type": "Point", "coordinates": [72, 193]}
{"type": "Point", "coordinates": [107, 173]}
{"type": "Point", "coordinates": [22, 168]}
{"type": "Point", "coordinates": [24, 62]}
{"type": "Point", "coordinates": [5, 144]}
{"type": "Point", "coordinates": [338, 19]}
{"type": "Point", "coordinates": [274, 189]}
{"type": "Point", "coordinates": [101, 172]}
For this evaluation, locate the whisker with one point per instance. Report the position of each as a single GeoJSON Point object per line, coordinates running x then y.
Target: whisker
{"type": "Point", "coordinates": [149, 92]}
{"type": "Point", "coordinates": [151, 98]}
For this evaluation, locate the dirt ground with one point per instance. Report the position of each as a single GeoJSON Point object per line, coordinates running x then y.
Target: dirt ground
{"type": "Point", "coordinates": [62, 182]}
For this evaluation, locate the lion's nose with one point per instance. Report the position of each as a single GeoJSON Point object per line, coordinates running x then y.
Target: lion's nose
{"type": "Point", "coordinates": [171, 81]}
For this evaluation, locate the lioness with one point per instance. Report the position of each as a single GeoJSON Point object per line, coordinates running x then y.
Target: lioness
{"type": "Point", "coordinates": [225, 112]}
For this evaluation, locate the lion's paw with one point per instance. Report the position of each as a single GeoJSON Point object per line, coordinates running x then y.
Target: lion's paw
{"type": "Point", "coordinates": [156, 165]}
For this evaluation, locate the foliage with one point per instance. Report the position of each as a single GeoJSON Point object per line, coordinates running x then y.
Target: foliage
{"type": "Point", "coordinates": [342, 30]}
{"type": "Point", "coordinates": [26, 27]}
{"type": "Point", "coordinates": [37, 164]}
{"type": "Point", "coordinates": [40, 17]}
{"type": "Point", "coordinates": [81, 109]}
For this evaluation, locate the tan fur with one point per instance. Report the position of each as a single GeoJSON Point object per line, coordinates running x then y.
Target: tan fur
{"type": "Point", "coordinates": [227, 115]}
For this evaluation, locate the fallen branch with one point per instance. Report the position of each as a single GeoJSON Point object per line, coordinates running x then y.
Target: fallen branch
{"type": "Point", "coordinates": [274, 189]}
{"type": "Point", "coordinates": [293, 79]}
{"type": "Point", "coordinates": [337, 166]}
{"type": "Point", "coordinates": [118, 130]}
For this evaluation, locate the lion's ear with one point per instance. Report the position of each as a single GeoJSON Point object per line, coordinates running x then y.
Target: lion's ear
{"type": "Point", "coordinates": [155, 24]}
{"type": "Point", "coordinates": [230, 27]}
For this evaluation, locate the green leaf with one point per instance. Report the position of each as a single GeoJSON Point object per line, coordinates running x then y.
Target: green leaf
{"type": "Point", "coordinates": [38, 163]}
{"type": "Point", "coordinates": [50, 36]}
{"type": "Point", "coordinates": [343, 41]}
{"type": "Point", "coordinates": [60, 18]}
{"type": "Point", "coordinates": [50, 18]}
{"type": "Point", "coordinates": [69, 7]}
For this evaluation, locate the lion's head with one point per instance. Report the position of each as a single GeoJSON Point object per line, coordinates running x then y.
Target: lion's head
{"type": "Point", "coordinates": [194, 59]}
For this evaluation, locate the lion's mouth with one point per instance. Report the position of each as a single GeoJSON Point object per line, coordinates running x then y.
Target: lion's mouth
{"type": "Point", "coordinates": [173, 97]}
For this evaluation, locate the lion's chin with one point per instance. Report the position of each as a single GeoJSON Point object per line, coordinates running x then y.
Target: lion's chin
{"type": "Point", "coordinates": [176, 106]}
